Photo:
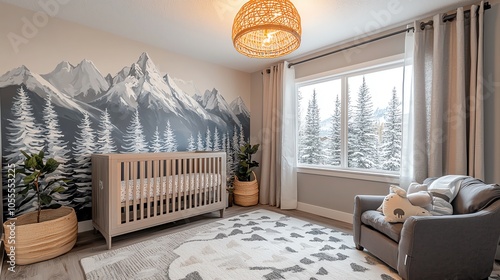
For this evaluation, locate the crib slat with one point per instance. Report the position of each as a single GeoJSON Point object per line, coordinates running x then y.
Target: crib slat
{"type": "Point", "coordinates": [147, 181]}
{"type": "Point", "coordinates": [134, 191]}
{"type": "Point", "coordinates": [186, 186]}
{"type": "Point", "coordinates": [169, 185]}
{"type": "Point", "coordinates": [191, 182]}
{"type": "Point", "coordinates": [214, 181]}
{"type": "Point", "coordinates": [217, 179]}
{"type": "Point", "coordinates": [127, 190]}
{"type": "Point", "coordinates": [174, 185]}
{"type": "Point", "coordinates": [154, 167]}
{"type": "Point", "coordinates": [142, 187]}
{"type": "Point", "coordinates": [202, 194]}
{"type": "Point", "coordinates": [220, 185]}
{"type": "Point", "coordinates": [162, 184]}
{"type": "Point", "coordinates": [211, 179]}
{"type": "Point", "coordinates": [196, 181]}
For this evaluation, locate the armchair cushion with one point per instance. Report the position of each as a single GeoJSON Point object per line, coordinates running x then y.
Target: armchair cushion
{"type": "Point", "coordinates": [474, 196]}
{"type": "Point", "coordinates": [376, 220]}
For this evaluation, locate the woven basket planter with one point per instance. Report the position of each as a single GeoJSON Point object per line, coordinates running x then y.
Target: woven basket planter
{"type": "Point", "coordinates": [246, 193]}
{"type": "Point", "coordinates": [53, 236]}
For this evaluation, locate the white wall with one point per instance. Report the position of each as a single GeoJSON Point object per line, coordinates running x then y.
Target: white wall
{"type": "Point", "coordinates": [256, 119]}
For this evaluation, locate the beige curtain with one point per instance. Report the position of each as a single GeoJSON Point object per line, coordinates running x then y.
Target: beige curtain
{"type": "Point", "coordinates": [443, 129]}
{"type": "Point", "coordinates": [278, 184]}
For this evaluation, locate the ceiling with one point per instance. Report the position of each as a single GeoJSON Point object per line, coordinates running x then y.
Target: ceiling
{"type": "Point", "coordinates": [202, 28]}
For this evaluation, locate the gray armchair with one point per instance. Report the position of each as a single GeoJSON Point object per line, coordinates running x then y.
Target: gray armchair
{"type": "Point", "coordinates": [458, 246]}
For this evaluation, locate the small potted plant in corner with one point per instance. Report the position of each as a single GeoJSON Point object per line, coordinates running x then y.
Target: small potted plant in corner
{"type": "Point", "coordinates": [246, 187]}
{"type": "Point", "coordinates": [49, 231]}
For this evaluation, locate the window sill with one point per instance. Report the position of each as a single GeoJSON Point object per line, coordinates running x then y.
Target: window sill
{"type": "Point", "coordinates": [390, 178]}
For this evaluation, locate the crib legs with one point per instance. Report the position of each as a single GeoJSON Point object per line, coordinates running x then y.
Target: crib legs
{"type": "Point", "coordinates": [222, 212]}
{"type": "Point", "coordinates": [108, 242]}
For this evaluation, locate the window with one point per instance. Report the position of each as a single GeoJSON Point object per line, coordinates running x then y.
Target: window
{"type": "Point", "coordinates": [352, 120]}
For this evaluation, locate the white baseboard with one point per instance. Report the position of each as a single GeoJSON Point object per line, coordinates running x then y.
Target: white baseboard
{"type": "Point", "coordinates": [325, 212]}
{"type": "Point", "coordinates": [85, 226]}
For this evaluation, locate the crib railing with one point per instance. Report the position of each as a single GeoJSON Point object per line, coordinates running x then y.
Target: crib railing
{"type": "Point", "coordinates": [132, 191]}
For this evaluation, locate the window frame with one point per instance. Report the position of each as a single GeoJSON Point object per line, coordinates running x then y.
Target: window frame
{"type": "Point", "coordinates": [344, 74]}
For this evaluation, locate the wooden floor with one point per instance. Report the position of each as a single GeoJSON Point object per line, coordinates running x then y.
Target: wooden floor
{"type": "Point", "coordinates": [88, 244]}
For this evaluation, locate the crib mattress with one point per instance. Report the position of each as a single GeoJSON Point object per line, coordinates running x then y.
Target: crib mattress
{"type": "Point", "coordinates": [177, 183]}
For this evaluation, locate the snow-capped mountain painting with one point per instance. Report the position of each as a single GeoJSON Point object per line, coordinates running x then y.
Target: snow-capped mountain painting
{"type": "Point", "coordinates": [75, 111]}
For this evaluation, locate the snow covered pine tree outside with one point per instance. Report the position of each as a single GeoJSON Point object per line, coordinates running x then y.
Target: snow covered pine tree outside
{"type": "Point", "coordinates": [373, 130]}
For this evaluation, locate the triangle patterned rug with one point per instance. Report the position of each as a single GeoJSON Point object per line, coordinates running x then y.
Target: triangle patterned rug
{"type": "Point", "coordinates": [257, 245]}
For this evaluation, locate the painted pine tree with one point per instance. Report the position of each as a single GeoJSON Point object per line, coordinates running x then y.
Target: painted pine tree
{"type": "Point", "coordinates": [224, 142]}
{"type": "Point", "coordinates": [235, 148]}
{"type": "Point", "coordinates": [156, 146]}
{"type": "Point", "coordinates": [56, 148]}
{"type": "Point", "coordinates": [134, 140]}
{"type": "Point", "coordinates": [208, 141]}
{"type": "Point", "coordinates": [242, 136]}
{"type": "Point", "coordinates": [334, 155]}
{"type": "Point", "coordinates": [216, 144]}
{"type": "Point", "coordinates": [191, 145]}
{"type": "Point", "coordinates": [199, 142]}
{"type": "Point", "coordinates": [170, 142]}
{"type": "Point", "coordinates": [392, 135]}
{"type": "Point", "coordinates": [229, 156]}
{"type": "Point", "coordinates": [363, 130]}
{"type": "Point", "coordinates": [105, 142]}
{"type": "Point", "coordinates": [83, 147]}
{"type": "Point", "coordinates": [312, 142]}
{"type": "Point", "coordinates": [23, 134]}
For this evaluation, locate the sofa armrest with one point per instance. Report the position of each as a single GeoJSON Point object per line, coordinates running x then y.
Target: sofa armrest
{"type": "Point", "coordinates": [363, 203]}
{"type": "Point", "coordinates": [452, 246]}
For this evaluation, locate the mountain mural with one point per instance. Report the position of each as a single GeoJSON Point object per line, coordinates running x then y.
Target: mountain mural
{"type": "Point", "coordinates": [75, 111]}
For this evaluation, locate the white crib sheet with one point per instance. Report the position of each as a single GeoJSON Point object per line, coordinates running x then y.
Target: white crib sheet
{"type": "Point", "coordinates": [195, 180]}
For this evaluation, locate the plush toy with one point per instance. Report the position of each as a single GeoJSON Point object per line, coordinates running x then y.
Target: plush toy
{"type": "Point", "coordinates": [397, 206]}
{"type": "Point", "coordinates": [418, 195]}
{"type": "Point", "coordinates": [422, 200]}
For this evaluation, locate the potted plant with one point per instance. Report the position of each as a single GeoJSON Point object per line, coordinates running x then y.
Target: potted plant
{"type": "Point", "coordinates": [49, 231]}
{"type": "Point", "coordinates": [246, 188]}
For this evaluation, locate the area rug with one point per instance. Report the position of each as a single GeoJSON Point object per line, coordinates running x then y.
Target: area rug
{"type": "Point", "coordinates": [258, 245]}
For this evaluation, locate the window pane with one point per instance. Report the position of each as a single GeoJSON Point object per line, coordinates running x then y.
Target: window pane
{"type": "Point", "coordinates": [374, 120]}
{"type": "Point", "coordinates": [319, 123]}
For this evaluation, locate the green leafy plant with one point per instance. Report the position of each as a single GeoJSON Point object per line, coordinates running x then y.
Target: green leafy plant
{"type": "Point", "coordinates": [35, 171]}
{"type": "Point", "coordinates": [246, 165]}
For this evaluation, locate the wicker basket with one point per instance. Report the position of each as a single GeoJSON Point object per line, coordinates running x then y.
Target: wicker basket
{"type": "Point", "coordinates": [246, 193]}
{"type": "Point", "coordinates": [34, 242]}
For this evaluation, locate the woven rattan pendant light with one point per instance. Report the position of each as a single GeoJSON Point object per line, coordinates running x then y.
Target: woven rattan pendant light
{"type": "Point", "coordinates": [267, 28]}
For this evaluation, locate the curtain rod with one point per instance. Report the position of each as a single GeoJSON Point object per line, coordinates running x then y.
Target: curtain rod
{"type": "Point", "coordinates": [352, 46]}
{"type": "Point", "coordinates": [446, 18]}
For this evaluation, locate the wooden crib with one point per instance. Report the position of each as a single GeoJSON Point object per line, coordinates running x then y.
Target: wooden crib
{"type": "Point", "coordinates": [135, 191]}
